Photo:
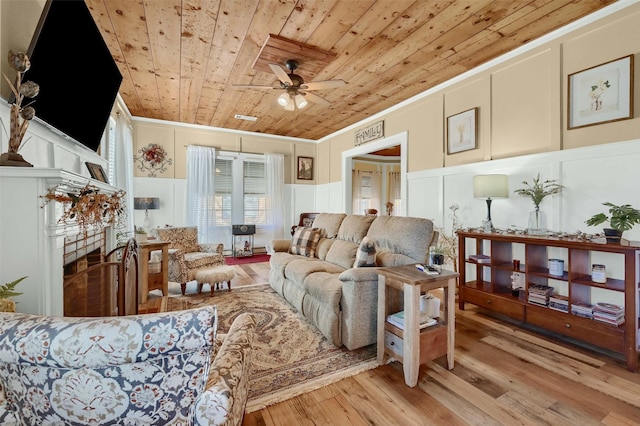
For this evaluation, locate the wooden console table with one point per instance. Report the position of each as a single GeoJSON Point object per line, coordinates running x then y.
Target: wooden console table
{"type": "Point", "coordinates": [414, 346]}
{"type": "Point", "coordinates": [154, 280]}
{"type": "Point", "coordinates": [488, 285]}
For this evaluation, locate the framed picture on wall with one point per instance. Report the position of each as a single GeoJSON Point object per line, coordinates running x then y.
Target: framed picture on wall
{"type": "Point", "coordinates": [97, 172]}
{"type": "Point", "coordinates": [305, 168]}
{"type": "Point", "coordinates": [601, 94]}
{"type": "Point", "coordinates": [462, 131]}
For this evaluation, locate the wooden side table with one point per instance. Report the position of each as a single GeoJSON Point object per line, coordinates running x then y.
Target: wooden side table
{"type": "Point", "coordinates": [154, 280]}
{"type": "Point", "coordinates": [399, 288]}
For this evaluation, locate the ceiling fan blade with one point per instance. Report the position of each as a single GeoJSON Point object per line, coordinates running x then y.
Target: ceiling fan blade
{"type": "Point", "coordinates": [281, 74]}
{"type": "Point", "coordinates": [319, 85]}
{"type": "Point", "coordinates": [254, 86]}
{"type": "Point", "coordinates": [316, 99]}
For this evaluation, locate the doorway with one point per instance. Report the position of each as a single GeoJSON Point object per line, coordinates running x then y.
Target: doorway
{"type": "Point", "coordinates": [347, 165]}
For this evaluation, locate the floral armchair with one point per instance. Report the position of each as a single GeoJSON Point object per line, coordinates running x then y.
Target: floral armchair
{"type": "Point", "coordinates": [140, 369]}
{"type": "Point", "coordinates": [186, 255]}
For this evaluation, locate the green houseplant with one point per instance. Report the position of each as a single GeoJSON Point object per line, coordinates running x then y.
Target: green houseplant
{"type": "Point", "coordinates": [537, 191]}
{"type": "Point", "coordinates": [621, 218]}
{"type": "Point", "coordinates": [7, 292]}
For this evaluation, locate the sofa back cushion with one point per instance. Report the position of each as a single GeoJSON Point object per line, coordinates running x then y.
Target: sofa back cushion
{"type": "Point", "coordinates": [106, 369]}
{"type": "Point", "coordinates": [181, 238]}
{"type": "Point", "coordinates": [342, 253]}
{"type": "Point", "coordinates": [354, 227]}
{"type": "Point", "coordinates": [323, 247]}
{"type": "Point", "coordinates": [328, 223]}
{"type": "Point", "coordinates": [401, 240]}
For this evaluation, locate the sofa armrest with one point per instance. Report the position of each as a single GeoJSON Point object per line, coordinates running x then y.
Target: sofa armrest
{"type": "Point", "coordinates": [281, 245]}
{"type": "Point", "coordinates": [211, 248]}
{"type": "Point", "coordinates": [225, 397]}
{"type": "Point", "coordinates": [359, 274]}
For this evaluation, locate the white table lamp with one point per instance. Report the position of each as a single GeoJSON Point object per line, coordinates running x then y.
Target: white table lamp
{"type": "Point", "coordinates": [489, 187]}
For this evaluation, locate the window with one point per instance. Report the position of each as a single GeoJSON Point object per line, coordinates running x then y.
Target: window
{"type": "Point", "coordinates": [255, 187]}
{"type": "Point", "coordinates": [224, 191]}
{"type": "Point", "coordinates": [240, 185]}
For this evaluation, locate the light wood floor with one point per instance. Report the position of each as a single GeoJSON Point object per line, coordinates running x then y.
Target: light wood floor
{"type": "Point", "coordinates": [504, 375]}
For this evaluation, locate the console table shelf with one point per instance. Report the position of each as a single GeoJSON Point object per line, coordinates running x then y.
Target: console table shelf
{"type": "Point", "coordinates": [488, 285]}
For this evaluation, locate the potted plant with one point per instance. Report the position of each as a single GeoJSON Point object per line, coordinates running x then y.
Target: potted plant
{"type": "Point", "coordinates": [436, 256]}
{"type": "Point", "coordinates": [7, 292]}
{"type": "Point", "coordinates": [537, 191]}
{"type": "Point", "coordinates": [621, 218]}
{"type": "Point", "coordinates": [141, 234]}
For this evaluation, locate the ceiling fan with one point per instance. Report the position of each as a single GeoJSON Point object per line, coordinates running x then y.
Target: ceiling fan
{"type": "Point", "coordinates": [297, 92]}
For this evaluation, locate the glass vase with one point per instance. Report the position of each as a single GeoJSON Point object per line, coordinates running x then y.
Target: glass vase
{"type": "Point", "coordinates": [537, 222]}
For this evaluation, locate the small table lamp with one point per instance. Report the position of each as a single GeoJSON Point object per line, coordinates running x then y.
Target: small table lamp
{"type": "Point", "coordinates": [488, 186]}
{"type": "Point", "coordinates": [146, 204]}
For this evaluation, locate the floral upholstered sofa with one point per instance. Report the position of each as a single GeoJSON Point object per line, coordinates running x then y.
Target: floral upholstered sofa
{"type": "Point", "coordinates": [186, 255]}
{"type": "Point", "coordinates": [130, 370]}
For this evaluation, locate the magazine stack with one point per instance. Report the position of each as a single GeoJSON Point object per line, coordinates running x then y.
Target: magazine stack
{"type": "Point", "coordinates": [583, 310]}
{"type": "Point", "coordinates": [539, 294]}
{"type": "Point", "coordinates": [559, 303]}
{"type": "Point", "coordinates": [609, 313]}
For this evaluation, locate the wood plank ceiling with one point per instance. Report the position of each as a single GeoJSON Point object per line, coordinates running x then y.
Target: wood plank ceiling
{"type": "Point", "coordinates": [179, 58]}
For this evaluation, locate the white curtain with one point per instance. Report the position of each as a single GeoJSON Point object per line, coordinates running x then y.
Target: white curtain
{"type": "Point", "coordinates": [122, 168]}
{"type": "Point", "coordinates": [394, 194]}
{"type": "Point", "coordinates": [201, 164]}
{"type": "Point", "coordinates": [274, 171]}
{"type": "Point", "coordinates": [366, 191]}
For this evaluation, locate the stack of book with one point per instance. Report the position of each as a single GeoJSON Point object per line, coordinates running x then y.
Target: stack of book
{"type": "Point", "coordinates": [397, 319]}
{"type": "Point", "coordinates": [559, 303]}
{"type": "Point", "coordinates": [609, 313]}
{"type": "Point", "coordinates": [583, 310]}
{"type": "Point", "coordinates": [539, 294]}
{"type": "Point", "coordinates": [480, 258]}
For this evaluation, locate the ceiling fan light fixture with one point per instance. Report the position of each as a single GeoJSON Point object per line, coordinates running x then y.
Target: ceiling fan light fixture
{"type": "Point", "coordinates": [284, 99]}
{"type": "Point", "coordinates": [301, 102]}
{"type": "Point", "coordinates": [290, 107]}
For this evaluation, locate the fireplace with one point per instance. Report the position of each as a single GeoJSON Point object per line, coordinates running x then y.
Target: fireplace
{"type": "Point", "coordinates": [90, 283]}
{"type": "Point", "coordinates": [35, 245]}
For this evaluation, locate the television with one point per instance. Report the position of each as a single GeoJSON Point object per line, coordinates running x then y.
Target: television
{"type": "Point", "coordinates": [78, 77]}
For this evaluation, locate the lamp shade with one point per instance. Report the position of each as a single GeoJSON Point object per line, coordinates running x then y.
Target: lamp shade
{"type": "Point", "coordinates": [490, 186]}
{"type": "Point", "coordinates": [146, 203]}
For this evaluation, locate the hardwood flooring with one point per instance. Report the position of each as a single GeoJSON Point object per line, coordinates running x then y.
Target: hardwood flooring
{"type": "Point", "coordinates": [503, 375]}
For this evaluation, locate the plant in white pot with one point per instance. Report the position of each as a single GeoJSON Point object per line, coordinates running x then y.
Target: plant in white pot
{"type": "Point", "coordinates": [141, 234]}
{"type": "Point", "coordinates": [621, 218]}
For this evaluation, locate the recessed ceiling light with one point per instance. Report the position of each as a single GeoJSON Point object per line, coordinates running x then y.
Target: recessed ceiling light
{"type": "Point", "coordinates": [245, 117]}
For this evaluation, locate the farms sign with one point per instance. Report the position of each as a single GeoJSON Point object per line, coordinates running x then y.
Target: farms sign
{"type": "Point", "coordinates": [375, 131]}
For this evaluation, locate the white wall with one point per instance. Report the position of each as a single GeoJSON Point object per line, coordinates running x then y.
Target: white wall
{"type": "Point", "coordinates": [591, 176]}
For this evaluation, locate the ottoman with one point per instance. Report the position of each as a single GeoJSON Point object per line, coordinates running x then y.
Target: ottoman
{"type": "Point", "coordinates": [215, 275]}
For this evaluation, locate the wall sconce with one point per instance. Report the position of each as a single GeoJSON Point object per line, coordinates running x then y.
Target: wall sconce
{"type": "Point", "coordinates": [490, 186]}
{"type": "Point", "coordinates": [146, 204]}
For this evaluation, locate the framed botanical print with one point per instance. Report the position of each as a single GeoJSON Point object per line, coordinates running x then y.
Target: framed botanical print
{"type": "Point", "coordinates": [601, 94]}
{"type": "Point", "coordinates": [462, 131]}
{"type": "Point", "coordinates": [305, 168]}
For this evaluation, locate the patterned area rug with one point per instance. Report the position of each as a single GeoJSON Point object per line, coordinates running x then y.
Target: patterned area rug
{"type": "Point", "coordinates": [291, 356]}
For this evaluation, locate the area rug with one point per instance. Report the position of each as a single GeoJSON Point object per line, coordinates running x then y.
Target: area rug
{"type": "Point", "coordinates": [256, 258]}
{"type": "Point", "coordinates": [291, 356]}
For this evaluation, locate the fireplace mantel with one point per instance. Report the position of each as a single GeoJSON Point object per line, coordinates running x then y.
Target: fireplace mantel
{"type": "Point", "coordinates": [32, 240]}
